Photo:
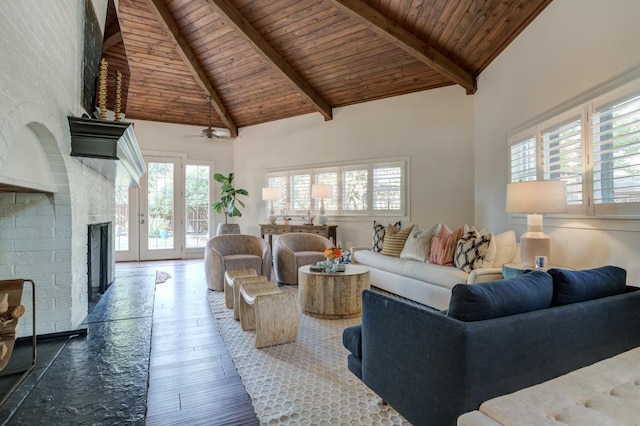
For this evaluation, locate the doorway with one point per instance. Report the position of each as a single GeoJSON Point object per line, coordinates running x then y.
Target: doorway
{"type": "Point", "coordinates": [168, 217]}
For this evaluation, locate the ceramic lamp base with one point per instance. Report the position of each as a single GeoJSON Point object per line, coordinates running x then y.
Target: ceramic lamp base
{"type": "Point", "coordinates": [534, 244]}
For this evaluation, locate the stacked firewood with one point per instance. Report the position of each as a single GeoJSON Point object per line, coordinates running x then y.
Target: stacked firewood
{"type": "Point", "coordinates": [8, 321]}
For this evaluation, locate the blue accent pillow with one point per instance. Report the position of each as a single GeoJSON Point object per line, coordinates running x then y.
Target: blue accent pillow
{"type": "Point", "coordinates": [578, 286]}
{"type": "Point", "coordinates": [494, 299]}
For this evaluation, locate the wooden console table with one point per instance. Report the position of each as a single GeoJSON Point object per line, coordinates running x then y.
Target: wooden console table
{"type": "Point", "coordinates": [328, 231]}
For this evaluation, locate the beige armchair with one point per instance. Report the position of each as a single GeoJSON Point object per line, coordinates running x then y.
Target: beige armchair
{"type": "Point", "coordinates": [235, 251]}
{"type": "Point", "coordinates": [291, 251]}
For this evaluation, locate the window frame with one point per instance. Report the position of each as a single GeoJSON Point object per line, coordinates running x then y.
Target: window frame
{"type": "Point", "coordinates": [337, 207]}
{"type": "Point", "coordinates": [584, 109]}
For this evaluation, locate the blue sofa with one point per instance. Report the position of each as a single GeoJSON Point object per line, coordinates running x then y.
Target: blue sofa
{"type": "Point", "coordinates": [495, 338]}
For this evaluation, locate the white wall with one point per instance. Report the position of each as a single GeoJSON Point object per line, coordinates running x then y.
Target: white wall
{"type": "Point", "coordinates": [44, 236]}
{"type": "Point", "coordinates": [175, 139]}
{"type": "Point", "coordinates": [573, 47]}
{"type": "Point", "coordinates": [433, 128]}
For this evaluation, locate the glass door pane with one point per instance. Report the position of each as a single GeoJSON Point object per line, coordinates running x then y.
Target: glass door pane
{"type": "Point", "coordinates": [197, 205]}
{"type": "Point", "coordinates": [160, 217]}
{"type": "Point", "coordinates": [160, 210]}
{"type": "Point", "coordinates": [122, 219]}
{"type": "Point", "coordinates": [127, 229]}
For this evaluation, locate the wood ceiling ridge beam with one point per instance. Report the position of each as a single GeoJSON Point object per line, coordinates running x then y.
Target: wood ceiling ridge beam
{"type": "Point", "coordinates": [111, 41]}
{"type": "Point", "coordinates": [168, 23]}
{"type": "Point", "coordinates": [405, 40]}
{"type": "Point", "coordinates": [244, 27]}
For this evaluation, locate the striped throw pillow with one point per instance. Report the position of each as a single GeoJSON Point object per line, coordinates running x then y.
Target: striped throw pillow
{"type": "Point", "coordinates": [394, 240]}
{"type": "Point", "coordinates": [378, 234]}
{"type": "Point", "coordinates": [443, 246]}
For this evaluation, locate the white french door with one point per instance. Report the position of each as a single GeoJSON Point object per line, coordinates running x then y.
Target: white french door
{"type": "Point", "coordinates": [160, 216]}
{"type": "Point", "coordinates": [168, 217]}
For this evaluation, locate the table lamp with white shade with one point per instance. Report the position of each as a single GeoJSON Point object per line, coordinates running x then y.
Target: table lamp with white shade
{"type": "Point", "coordinates": [535, 198]}
{"type": "Point", "coordinates": [271, 194]}
{"type": "Point", "coordinates": [321, 191]}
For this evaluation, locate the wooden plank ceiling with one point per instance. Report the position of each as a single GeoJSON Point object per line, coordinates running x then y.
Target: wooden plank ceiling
{"type": "Point", "coordinates": [264, 60]}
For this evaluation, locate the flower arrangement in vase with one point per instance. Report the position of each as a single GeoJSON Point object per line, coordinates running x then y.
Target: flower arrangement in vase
{"type": "Point", "coordinates": [333, 255]}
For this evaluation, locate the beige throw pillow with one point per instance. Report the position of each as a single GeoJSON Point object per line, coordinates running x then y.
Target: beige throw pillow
{"type": "Point", "coordinates": [418, 244]}
{"type": "Point", "coordinates": [505, 248]}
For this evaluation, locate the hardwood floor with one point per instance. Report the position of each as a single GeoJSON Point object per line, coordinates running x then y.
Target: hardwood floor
{"type": "Point", "coordinates": [192, 379]}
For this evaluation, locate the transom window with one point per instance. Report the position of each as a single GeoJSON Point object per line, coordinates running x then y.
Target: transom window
{"type": "Point", "coordinates": [377, 188]}
{"type": "Point", "coordinates": [594, 148]}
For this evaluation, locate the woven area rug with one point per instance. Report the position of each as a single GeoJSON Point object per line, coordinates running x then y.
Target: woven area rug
{"type": "Point", "coordinates": [305, 382]}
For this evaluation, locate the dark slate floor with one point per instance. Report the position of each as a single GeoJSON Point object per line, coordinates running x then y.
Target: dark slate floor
{"type": "Point", "coordinates": [98, 378]}
{"type": "Point", "coordinates": [102, 378]}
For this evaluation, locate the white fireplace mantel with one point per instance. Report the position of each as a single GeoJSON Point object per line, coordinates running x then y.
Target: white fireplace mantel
{"type": "Point", "coordinates": [108, 147]}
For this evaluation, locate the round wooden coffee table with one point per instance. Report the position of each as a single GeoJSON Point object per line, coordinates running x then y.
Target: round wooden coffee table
{"type": "Point", "coordinates": [332, 295]}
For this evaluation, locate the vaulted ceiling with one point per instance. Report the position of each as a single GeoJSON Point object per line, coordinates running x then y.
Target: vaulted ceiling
{"type": "Point", "coordinates": [264, 60]}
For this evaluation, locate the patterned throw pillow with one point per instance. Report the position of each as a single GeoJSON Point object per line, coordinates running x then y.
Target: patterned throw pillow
{"type": "Point", "coordinates": [394, 241]}
{"type": "Point", "coordinates": [471, 250]}
{"type": "Point", "coordinates": [378, 235]}
{"type": "Point", "coordinates": [443, 246]}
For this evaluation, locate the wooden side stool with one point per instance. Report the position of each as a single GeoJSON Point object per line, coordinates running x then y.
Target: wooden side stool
{"type": "Point", "coordinates": [271, 312]}
{"type": "Point", "coordinates": [237, 285]}
{"type": "Point", "coordinates": [229, 276]}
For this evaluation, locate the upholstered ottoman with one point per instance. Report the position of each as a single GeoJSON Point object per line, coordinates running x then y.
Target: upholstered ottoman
{"type": "Point", "coordinates": [604, 393]}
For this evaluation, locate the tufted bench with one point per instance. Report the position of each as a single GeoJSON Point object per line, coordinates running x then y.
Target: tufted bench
{"type": "Point", "coordinates": [604, 393]}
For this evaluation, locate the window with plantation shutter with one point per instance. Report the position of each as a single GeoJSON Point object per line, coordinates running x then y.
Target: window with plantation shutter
{"type": "Point", "coordinates": [561, 157]}
{"type": "Point", "coordinates": [280, 182]}
{"type": "Point", "coordinates": [329, 177]}
{"type": "Point", "coordinates": [615, 149]}
{"type": "Point", "coordinates": [300, 193]}
{"type": "Point", "coordinates": [359, 189]}
{"type": "Point", "coordinates": [387, 188]}
{"type": "Point", "coordinates": [522, 156]}
{"type": "Point", "coordinates": [594, 147]}
{"type": "Point", "coordinates": [355, 195]}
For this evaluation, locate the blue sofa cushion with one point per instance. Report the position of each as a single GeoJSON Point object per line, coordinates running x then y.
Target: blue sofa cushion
{"type": "Point", "coordinates": [352, 340]}
{"type": "Point", "coordinates": [579, 286]}
{"type": "Point", "coordinates": [494, 299]}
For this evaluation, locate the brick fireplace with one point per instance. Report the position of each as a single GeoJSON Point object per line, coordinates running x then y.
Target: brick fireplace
{"type": "Point", "coordinates": [48, 198]}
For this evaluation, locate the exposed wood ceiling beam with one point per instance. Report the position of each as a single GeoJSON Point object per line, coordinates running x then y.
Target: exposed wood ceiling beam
{"type": "Point", "coordinates": [166, 20]}
{"type": "Point", "coordinates": [405, 40]}
{"type": "Point", "coordinates": [111, 41]}
{"type": "Point", "coordinates": [241, 24]}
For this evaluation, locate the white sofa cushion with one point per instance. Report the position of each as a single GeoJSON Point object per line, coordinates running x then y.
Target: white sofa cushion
{"type": "Point", "coordinates": [444, 276]}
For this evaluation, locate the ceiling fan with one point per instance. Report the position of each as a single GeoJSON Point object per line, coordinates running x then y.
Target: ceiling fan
{"type": "Point", "coordinates": [210, 132]}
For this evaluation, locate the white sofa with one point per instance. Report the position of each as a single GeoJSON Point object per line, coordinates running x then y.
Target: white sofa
{"type": "Point", "coordinates": [604, 393]}
{"type": "Point", "coordinates": [428, 283]}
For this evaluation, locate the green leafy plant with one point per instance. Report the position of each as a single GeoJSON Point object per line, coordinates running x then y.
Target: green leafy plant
{"type": "Point", "coordinates": [228, 203]}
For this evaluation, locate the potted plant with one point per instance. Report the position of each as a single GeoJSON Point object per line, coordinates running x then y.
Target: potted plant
{"type": "Point", "coordinates": [228, 203]}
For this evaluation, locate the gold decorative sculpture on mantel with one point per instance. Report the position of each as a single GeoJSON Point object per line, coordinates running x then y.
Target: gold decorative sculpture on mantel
{"type": "Point", "coordinates": [118, 94]}
{"type": "Point", "coordinates": [102, 89]}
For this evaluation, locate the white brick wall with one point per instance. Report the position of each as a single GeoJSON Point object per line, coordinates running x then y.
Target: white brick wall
{"type": "Point", "coordinates": [44, 236]}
